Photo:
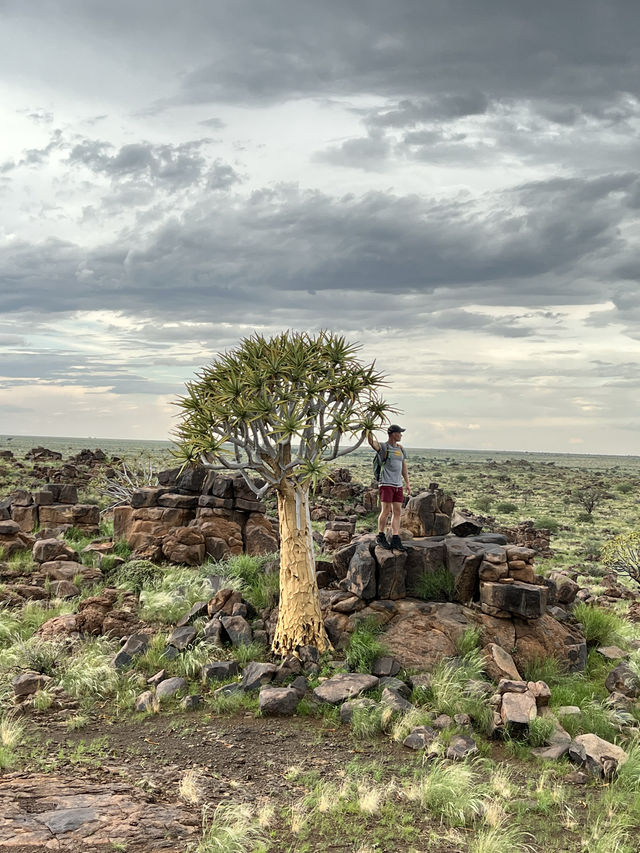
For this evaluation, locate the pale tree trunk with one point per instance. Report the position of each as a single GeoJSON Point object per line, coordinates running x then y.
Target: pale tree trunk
{"type": "Point", "coordinates": [299, 617]}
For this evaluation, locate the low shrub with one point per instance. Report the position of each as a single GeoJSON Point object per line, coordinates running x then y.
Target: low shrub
{"type": "Point", "coordinates": [483, 503]}
{"type": "Point", "coordinates": [506, 507]}
{"type": "Point", "coordinates": [546, 522]}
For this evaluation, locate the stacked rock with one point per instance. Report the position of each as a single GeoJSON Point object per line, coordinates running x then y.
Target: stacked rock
{"type": "Point", "coordinates": [195, 513]}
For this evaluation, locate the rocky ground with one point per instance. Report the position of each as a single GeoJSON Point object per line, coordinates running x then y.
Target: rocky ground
{"type": "Point", "coordinates": [140, 710]}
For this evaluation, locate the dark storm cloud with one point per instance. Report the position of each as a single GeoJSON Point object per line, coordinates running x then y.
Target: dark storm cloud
{"type": "Point", "coordinates": [453, 53]}
{"type": "Point", "coordinates": [544, 243]}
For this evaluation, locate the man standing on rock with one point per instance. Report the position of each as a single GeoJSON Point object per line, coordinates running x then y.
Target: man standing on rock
{"type": "Point", "coordinates": [393, 469]}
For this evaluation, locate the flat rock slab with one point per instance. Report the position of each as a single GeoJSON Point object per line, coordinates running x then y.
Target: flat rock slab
{"type": "Point", "coordinates": [344, 686]}
{"type": "Point", "coordinates": [48, 812]}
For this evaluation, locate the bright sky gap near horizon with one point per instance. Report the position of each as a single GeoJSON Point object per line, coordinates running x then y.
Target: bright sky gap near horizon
{"type": "Point", "coordinates": [455, 184]}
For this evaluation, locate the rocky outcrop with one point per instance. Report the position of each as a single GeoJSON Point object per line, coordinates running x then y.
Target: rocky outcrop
{"type": "Point", "coordinates": [53, 508]}
{"type": "Point", "coordinates": [194, 514]}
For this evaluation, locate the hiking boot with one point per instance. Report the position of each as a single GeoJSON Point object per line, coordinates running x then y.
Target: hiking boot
{"type": "Point", "coordinates": [396, 544]}
{"type": "Point", "coordinates": [381, 540]}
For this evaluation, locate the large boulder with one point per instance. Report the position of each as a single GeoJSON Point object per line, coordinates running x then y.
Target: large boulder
{"type": "Point", "coordinates": [518, 599]}
{"type": "Point", "coordinates": [546, 637]}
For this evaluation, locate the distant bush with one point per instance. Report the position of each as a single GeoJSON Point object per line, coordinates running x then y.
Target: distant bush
{"type": "Point", "coordinates": [622, 554]}
{"type": "Point", "coordinates": [625, 488]}
{"type": "Point", "coordinates": [506, 507]}
{"type": "Point", "coordinates": [593, 549]}
{"type": "Point", "coordinates": [483, 504]}
{"type": "Point", "coordinates": [546, 522]}
{"type": "Point", "coordinates": [585, 518]}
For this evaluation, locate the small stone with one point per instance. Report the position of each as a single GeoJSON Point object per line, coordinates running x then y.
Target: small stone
{"type": "Point", "coordinates": [553, 752]}
{"type": "Point", "coordinates": [568, 711]}
{"type": "Point", "coordinates": [601, 757]}
{"type": "Point", "coordinates": [506, 685]}
{"type": "Point", "coordinates": [227, 690]}
{"type": "Point", "coordinates": [238, 630]}
{"type": "Point", "coordinates": [213, 632]}
{"type": "Point", "coordinates": [344, 686]}
{"type": "Point", "coordinates": [278, 701]}
{"type": "Point", "coordinates": [219, 670]}
{"type": "Point", "coordinates": [170, 653]}
{"type": "Point", "coordinates": [145, 702]}
{"type": "Point", "coordinates": [257, 674]}
{"type": "Point", "coordinates": [195, 612]}
{"type": "Point", "coordinates": [28, 683]}
{"type": "Point", "coordinates": [612, 653]}
{"type": "Point", "coordinates": [347, 708]}
{"type": "Point", "coordinates": [64, 589]}
{"type": "Point", "coordinates": [541, 691]}
{"type": "Point", "coordinates": [192, 702]}
{"type": "Point", "coordinates": [396, 685]}
{"type": "Point", "coordinates": [461, 747]}
{"type": "Point", "coordinates": [462, 720]}
{"type": "Point", "coordinates": [393, 700]}
{"type": "Point", "coordinates": [442, 721]}
{"type": "Point", "coordinates": [518, 708]}
{"type": "Point", "coordinates": [182, 637]}
{"type": "Point", "coordinates": [420, 738]}
{"type": "Point", "coordinates": [157, 678]}
{"type": "Point", "coordinates": [623, 680]}
{"type": "Point", "coordinates": [385, 667]}
{"type": "Point", "coordinates": [299, 684]}
{"type": "Point", "coordinates": [169, 687]}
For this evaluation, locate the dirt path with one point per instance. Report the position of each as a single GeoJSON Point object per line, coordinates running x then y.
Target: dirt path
{"type": "Point", "coordinates": [115, 786]}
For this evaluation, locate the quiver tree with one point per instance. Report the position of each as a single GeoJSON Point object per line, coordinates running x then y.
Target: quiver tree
{"type": "Point", "coordinates": [278, 410]}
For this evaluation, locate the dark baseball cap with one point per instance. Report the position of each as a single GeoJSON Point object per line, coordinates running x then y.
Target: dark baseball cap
{"type": "Point", "coordinates": [395, 428]}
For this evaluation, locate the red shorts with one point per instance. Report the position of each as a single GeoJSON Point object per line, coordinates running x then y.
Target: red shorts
{"type": "Point", "coordinates": [391, 494]}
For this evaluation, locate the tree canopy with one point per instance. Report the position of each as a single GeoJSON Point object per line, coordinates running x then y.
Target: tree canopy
{"type": "Point", "coordinates": [281, 407]}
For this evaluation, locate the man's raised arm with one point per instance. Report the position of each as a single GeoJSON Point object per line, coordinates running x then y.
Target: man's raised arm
{"type": "Point", "coordinates": [373, 441]}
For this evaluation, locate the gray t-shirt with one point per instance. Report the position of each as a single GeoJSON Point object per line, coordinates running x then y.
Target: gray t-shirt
{"type": "Point", "coordinates": [391, 474]}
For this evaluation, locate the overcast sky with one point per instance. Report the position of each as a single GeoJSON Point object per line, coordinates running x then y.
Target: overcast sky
{"type": "Point", "coordinates": [455, 184]}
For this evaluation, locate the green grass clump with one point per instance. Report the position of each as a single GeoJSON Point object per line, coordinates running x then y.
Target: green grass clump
{"type": "Point", "coordinates": [502, 838]}
{"type": "Point", "coordinates": [364, 646]}
{"type": "Point", "coordinates": [468, 640]}
{"type": "Point", "coordinates": [601, 627]}
{"type": "Point", "coordinates": [259, 587]}
{"type": "Point", "coordinates": [435, 586]}
{"type": "Point", "coordinates": [449, 791]}
{"type": "Point", "coordinates": [540, 730]}
{"type": "Point", "coordinates": [367, 723]}
{"type": "Point", "coordinates": [447, 690]}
